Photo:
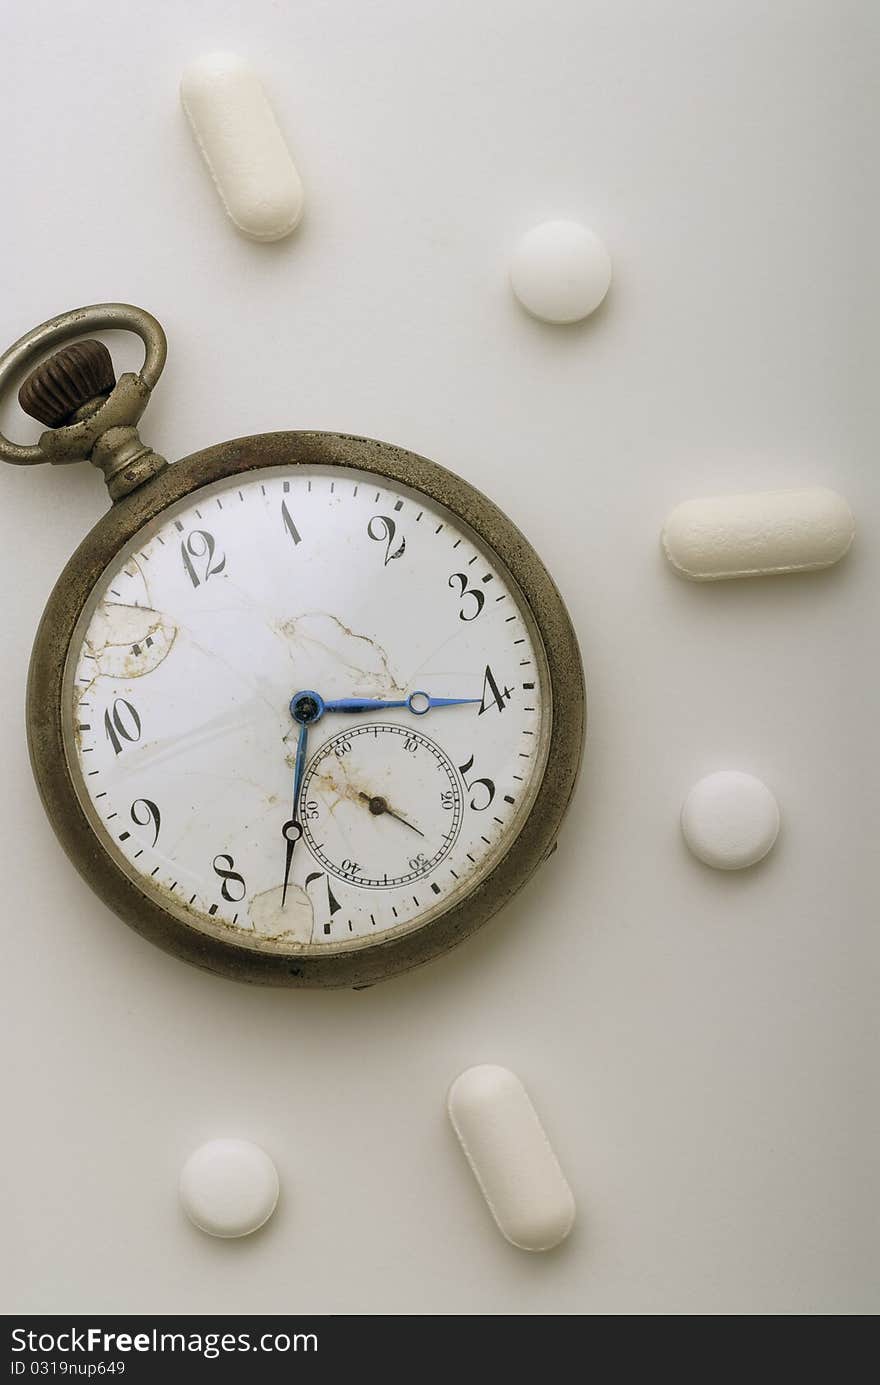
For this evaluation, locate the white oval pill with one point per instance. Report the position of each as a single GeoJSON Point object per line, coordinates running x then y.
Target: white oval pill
{"type": "Point", "coordinates": [560, 271]}
{"type": "Point", "coordinates": [242, 145]}
{"type": "Point", "coordinates": [730, 820]}
{"type": "Point", "coordinates": [511, 1157]}
{"type": "Point", "coordinates": [229, 1187]}
{"type": "Point", "coordinates": [758, 534]}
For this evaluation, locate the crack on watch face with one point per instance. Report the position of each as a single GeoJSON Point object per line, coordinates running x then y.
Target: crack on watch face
{"type": "Point", "coordinates": [125, 643]}
{"type": "Point", "coordinates": [273, 917]}
{"type": "Point", "coordinates": [318, 639]}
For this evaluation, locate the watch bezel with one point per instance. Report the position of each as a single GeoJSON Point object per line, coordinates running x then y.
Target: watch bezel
{"type": "Point", "coordinates": [537, 834]}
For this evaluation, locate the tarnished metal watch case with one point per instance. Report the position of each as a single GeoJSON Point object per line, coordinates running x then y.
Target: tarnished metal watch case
{"type": "Point", "coordinates": [374, 961]}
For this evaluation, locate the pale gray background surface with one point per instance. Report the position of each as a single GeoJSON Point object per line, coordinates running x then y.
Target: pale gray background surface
{"type": "Point", "coordinates": [702, 1047]}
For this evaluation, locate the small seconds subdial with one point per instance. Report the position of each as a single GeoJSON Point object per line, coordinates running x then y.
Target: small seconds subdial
{"type": "Point", "coordinates": [381, 805]}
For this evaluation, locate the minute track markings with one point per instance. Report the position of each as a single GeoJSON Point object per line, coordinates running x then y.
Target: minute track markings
{"type": "Point", "coordinates": [308, 499]}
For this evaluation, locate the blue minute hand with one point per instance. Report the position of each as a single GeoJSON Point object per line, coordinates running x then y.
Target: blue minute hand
{"type": "Point", "coordinates": [418, 703]}
{"type": "Point", "coordinates": [305, 708]}
{"type": "Point", "coordinates": [292, 830]}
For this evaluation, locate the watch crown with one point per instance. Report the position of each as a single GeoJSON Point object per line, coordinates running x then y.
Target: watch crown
{"type": "Point", "coordinates": [76, 375]}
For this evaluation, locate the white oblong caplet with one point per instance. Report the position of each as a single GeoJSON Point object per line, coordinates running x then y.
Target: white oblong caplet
{"type": "Point", "coordinates": [512, 1159]}
{"type": "Point", "coordinates": [758, 534]}
{"type": "Point", "coordinates": [242, 145]}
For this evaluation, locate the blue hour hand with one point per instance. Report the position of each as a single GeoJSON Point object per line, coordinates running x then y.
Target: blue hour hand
{"type": "Point", "coordinates": [418, 703]}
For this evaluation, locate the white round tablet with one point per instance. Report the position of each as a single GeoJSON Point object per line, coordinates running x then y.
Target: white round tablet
{"type": "Point", "coordinates": [560, 271]}
{"type": "Point", "coordinates": [229, 1187]}
{"type": "Point", "coordinates": [730, 820]}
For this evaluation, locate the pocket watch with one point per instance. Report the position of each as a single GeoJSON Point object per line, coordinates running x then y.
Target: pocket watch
{"type": "Point", "coordinates": [303, 708]}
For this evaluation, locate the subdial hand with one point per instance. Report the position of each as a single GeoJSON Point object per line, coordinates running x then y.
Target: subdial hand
{"type": "Point", "coordinates": [379, 807]}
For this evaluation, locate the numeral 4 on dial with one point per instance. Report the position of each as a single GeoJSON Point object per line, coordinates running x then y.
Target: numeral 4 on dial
{"type": "Point", "coordinates": [493, 696]}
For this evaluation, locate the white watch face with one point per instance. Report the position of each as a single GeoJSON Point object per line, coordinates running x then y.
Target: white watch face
{"type": "Point", "coordinates": [420, 722]}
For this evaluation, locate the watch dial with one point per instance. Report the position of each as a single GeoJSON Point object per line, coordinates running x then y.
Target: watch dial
{"type": "Point", "coordinates": [307, 626]}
